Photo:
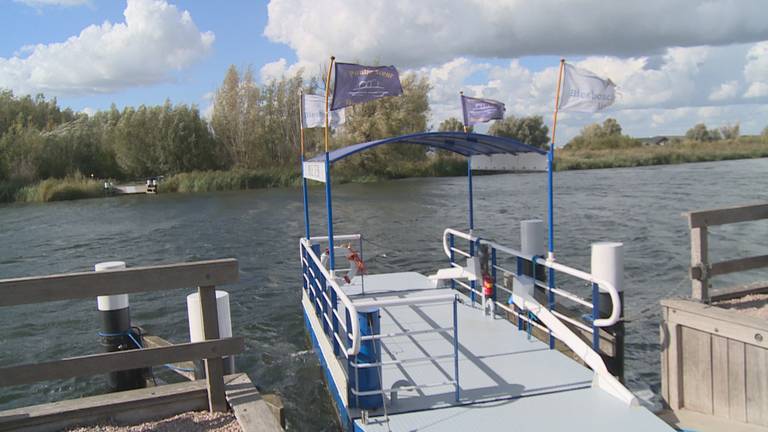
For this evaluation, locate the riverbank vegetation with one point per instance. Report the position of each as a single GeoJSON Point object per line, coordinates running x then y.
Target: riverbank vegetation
{"type": "Point", "coordinates": [604, 146]}
{"type": "Point", "coordinates": [252, 140]}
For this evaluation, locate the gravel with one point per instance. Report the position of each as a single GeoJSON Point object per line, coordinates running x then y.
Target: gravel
{"type": "Point", "coordinates": [755, 305]}
{"type": "Point", "coordinates": [187, 422]}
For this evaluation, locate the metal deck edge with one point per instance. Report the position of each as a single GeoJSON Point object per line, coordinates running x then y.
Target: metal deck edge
{"type": "Point", "coordinates": [321, 347]}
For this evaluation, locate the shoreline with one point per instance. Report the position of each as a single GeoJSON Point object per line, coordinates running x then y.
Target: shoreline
{"type": "Point", "coordinates": [67, 189]}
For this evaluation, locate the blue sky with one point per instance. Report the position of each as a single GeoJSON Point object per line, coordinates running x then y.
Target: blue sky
{"type": "Point", "coordinates": [237, 26]}
{"type": "Point", "coordinates": [704, 62]}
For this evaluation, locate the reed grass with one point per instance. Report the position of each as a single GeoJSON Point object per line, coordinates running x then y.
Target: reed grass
{"type": "Point", "coordinates": [70, 188]}
{"type": "Point", "coordinates": [683, 152]}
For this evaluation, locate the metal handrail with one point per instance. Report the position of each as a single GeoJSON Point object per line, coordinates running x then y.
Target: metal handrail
{"type": "Point", "coordinates": [341, 296]}
{"type": "Point", "coordinates": [604, 285]}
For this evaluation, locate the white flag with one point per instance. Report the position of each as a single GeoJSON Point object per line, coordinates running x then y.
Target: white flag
{"type": "Point", "coordinates": [584, 91]}
{"type": "Point", "coordinates": [313, 108]}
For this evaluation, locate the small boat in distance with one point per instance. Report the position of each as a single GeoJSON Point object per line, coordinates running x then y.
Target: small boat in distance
{"type": "Point", "coordinates": [452, 351]}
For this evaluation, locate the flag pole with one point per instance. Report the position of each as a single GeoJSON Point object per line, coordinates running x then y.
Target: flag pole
{"type": "Point", "coordinates": [329, 208]}
{"type": "Point", "coordinates": [550, 166]}
{"type": "Point", "coordinates": [303, 179]}
{"type": "Point", "coordinates": [469, 177]}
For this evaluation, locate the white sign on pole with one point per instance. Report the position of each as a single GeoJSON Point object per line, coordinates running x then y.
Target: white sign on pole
{"type": "Point", "coordinates": [314, 171]}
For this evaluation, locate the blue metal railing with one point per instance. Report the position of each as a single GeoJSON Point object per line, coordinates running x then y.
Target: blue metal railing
{"type": "Point", "coordinates": [590, 322]}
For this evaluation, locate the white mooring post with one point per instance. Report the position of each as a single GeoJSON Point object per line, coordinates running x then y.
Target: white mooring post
{"type": "Point", "coordinates": [196, 332]}
{"type": "Point", "coordinates": [116, 332]}
{"type": "Point", "coordinates": [608, 265]}
{"type": "Point", "coordinates": [532, 243]}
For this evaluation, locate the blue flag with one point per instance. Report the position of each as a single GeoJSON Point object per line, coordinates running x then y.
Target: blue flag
{"type": "Point", "coordinates": [478, 110]}
{"type": "Point", "coordinates": [356, 84]}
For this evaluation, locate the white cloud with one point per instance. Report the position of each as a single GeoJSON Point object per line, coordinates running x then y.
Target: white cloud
{"type": "Point", "coordinates": [657, 95]}
{"type": "Point", "coordinates": [414, 34]}
{"type": "Point", "coordinates": [155, 40]}
{"type": "Point", "coordinates": [756, 70]}
{"type": "Point", "coordinates": [273, 70]}
{"type": "Point", "coordinates": [61, 3]}
{"type": "Point", "coordinates": [726, 90]}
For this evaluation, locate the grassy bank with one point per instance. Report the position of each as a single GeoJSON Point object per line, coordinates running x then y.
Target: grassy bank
{"type": "Point", "coordinates": [70, 188]}
{"type": "Point", "coordinates": [239, 179]}
{"type": "Point", "coordinates": [661, 155]}
{"type": "Point", "coordinates": [236, 179]}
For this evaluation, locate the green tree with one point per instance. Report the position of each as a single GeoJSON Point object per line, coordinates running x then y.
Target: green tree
{"type": "Point", "coordinates": [388, 117]}
{"type": "Point", "coordinates": [605, 136]}
{"type": "Point", "coordinates": [700, 133]}
{"type": "Point", "coordinates": [529, 130]}
{"type": "Point", "coordinates": [730, 132]}
{"type": "Point", "coordinates": [452, 124]}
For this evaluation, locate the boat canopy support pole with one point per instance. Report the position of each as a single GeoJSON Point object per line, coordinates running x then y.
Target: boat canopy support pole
{"type": "Point", "coordinates": [471, 202]}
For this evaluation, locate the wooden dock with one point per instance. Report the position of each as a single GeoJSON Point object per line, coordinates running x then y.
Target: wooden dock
{"type": "Point", "coordinates": [714, 361]}
{"type": "Point", "coordinates": [216, 392]}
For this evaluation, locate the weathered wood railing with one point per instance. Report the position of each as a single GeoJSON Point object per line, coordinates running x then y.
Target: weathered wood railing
{"type": "Point", "coordinates": [702, 270]}
{"type": "Point", "coordinates": [205, 275]}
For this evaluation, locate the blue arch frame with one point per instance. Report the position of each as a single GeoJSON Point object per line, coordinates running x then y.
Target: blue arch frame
{"type": "Point", "coordinates": [465, 144]}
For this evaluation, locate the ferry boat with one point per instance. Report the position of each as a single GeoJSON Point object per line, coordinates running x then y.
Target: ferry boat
{"type": "Point", "coordinates": [406, 351]}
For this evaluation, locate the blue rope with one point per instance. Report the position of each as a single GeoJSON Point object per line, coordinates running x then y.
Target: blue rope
{"type": "Point", "coordinates": [127, 333]}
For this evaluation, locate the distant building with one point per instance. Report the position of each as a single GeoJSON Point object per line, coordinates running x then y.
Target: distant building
{"type": "Point", "coordinates": [654, 141]}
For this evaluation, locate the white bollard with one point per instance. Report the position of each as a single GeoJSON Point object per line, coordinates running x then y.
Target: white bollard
{"type": "Point", "coordinates": [195, 317]}
{"type": "Point", "coordinates": [532, 237]}
{"type": "Point", "coordinates": [111, 302]}
{"type": "Point", "coordinates": [608, 265]}
{"type": "Point", "coordinates": [532, 243]}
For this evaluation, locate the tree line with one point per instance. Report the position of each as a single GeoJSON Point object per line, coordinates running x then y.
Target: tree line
{"type": "Point", "coordinates": [252, 126]}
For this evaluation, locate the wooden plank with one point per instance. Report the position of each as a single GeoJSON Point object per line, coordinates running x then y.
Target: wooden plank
{"type": "Point", "coordinates": [185, 369]}
{"type": "Point", "coordinates": [686, 420]}
{"type": "Point", "coordinates": [127, 407]}
{"type": "Point", "coordinates": [720, 398]}
{"type": "Point", "coordinates": [214, 366]}
{"type": "Point", "coordinates": [738, 265]}
{"type": "Point", "coordinates": [674, 360]}
{"type": "Point", "coordinates": [757, 384]}
{"type": "Point", "coordinates": [699, 259]}
{"type": "Point", "coordinates": [115, 361]}
{"type": "Point", "coordinates": [132, 280]}
{"type": "Point", "coordinates": [738, 291]}
{"type": "Point", "coordinates": [697, 370]}
{"type": "Point", "coordinates": [737, 376]}
{"type": "Point", "coordinates": [664, 339]}
{"type": "Point", "coordinates": [251, 410]}
{"type": "Point", "coordinates": [713, 317]}
{"type": "Point", "coordinates": [727, 215]}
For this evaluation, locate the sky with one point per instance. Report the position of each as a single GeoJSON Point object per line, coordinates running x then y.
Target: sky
{"type": "Point", "coordinates": [676, 63]}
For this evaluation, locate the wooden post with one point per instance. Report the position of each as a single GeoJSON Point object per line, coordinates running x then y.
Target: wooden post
{"type": "Point", "coordinates": [700, 259]}
{"type": "Point", "coordinates": [214, 367]}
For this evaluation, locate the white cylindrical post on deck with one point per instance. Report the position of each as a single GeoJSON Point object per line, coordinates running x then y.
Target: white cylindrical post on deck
{"type": "Point", "coordinates": [532, 243]}
{"type": "Point", "coordinates": [196, 332]}
{"type": "Point", "coordinates": [608, 265]}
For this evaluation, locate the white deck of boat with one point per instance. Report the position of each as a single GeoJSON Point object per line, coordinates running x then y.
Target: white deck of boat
{"type": "Point", "coordinates": [505, 377]}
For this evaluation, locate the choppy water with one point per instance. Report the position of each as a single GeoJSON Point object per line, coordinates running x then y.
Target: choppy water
{"type": "Point", "coordinates": [640, 207]}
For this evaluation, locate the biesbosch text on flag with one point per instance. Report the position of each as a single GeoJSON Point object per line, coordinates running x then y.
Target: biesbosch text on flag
{"type": "Point", "coordinates": [313, 113]}
{"type": "Point", "coordinates": [584, 91]}
{"type": "Point", "coordinates": [478, 110]}
{"type": "Point", "coordinates": [355, 84]}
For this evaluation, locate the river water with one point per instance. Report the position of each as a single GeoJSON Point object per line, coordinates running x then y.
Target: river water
{"type": "Point", "coordinates": [639, 206]}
